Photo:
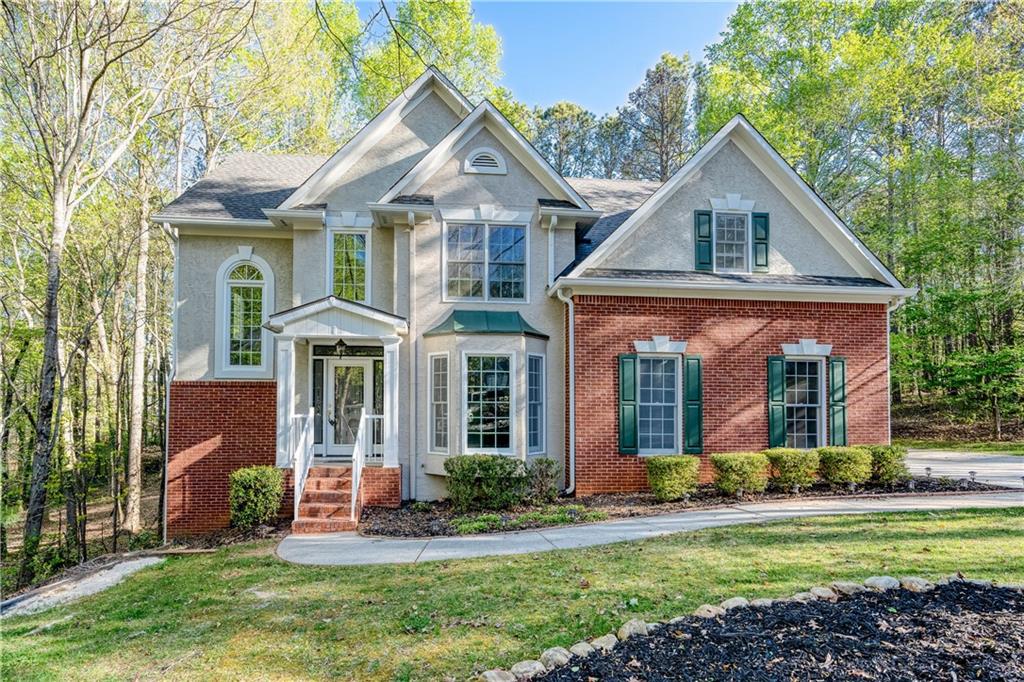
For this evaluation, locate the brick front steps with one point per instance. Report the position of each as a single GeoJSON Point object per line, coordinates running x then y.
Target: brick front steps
{"type": "Point", "coordinates": [326, 503]}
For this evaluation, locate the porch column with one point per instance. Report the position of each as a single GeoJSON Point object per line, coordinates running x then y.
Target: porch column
{"type": "Point", "coordinates": [391, 400]}
{"type": "Point", "coordinates": [285, 375]}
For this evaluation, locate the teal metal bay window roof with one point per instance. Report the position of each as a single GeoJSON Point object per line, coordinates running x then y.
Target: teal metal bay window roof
{"type": "Point", "coordinates": [484, 322]}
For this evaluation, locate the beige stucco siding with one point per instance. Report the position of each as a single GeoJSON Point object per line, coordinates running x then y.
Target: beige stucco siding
{"type": "Point", "coordinates": [198, 261]}
{"type": "Point", "coordinates": [373, 174]}
{"type": "Point", "coordinates": [664, 240]}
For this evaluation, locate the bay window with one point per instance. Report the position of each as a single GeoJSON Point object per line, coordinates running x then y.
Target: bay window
{"type": "Point", "coordinates": [488, 403]}
{"type": "Point", "coordinates": [535, 403]}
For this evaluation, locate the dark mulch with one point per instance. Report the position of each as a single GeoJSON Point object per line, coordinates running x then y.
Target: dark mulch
{"type": "Point", "coordinates": [232, 536]}
{"type": "Point", "coordinates": [956, 632]}
{"type": "Point", "coordinates": [433, 519]}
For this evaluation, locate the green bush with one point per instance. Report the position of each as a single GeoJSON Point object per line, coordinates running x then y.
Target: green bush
{"type": "Point", "coordinates": [791, 467]}
{"type": "Point", "coordinates": [888, 464]}
{"type": "Point", "coordinates": [844, 465]}
{"type": "Point", "coordinates": [486, 482]}
{"type": "Point", "coordinates": [672, 477]}
{"type": "Point", "coordinates": [545, 476]}
{"type": "Point", "coordinates": [740, 472]}
{"type": "Point", "coordinates": [254, 494]}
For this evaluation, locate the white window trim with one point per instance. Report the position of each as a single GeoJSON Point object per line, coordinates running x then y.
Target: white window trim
{"type": "Point", "coordinates": [822, 396]}
{"type": "Point", "coordinates": [679, 406]}
{"type": "Point", "coordinates": [486, 298]}
{"type": "Point", "coordinates": [513, 405]}
{"type": "Point", "coordinates": [369, 259]}
{"type": "Point", "coordinates": [431, 449]}
{"type": "Point", "coordinates": [468, 166]}
{"type": "Point", "coordinates": [714, 241]}
{"type": "Point", "coordinates": [222, 368]}
{"type": "Point", "coordinates": [542, 450]}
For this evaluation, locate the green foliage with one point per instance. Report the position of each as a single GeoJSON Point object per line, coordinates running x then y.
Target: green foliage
{"type": "Point", "coordinates": [254, 495]}
{"type": "Point", "coordinates": [672, 477]}
{"type": "Point", "coordinates": [545, 476]}
{"type": "Point", "coordinates": [486, 481]}
{"type": "Point", "coordinates": [791, 467]}
{"type": "Point", "coordinates": [553, 515]}
{"type": "Point", "coordinates": [844, 465]}
{"type": "Point", "coordinates": [888, 464]}
{"type": "Point", "coordinates": [737, 472]}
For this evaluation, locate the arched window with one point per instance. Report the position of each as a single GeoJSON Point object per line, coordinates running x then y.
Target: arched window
{"type": "Point", "coordinates": [485, 160]}
{"type": "Point", "coordinates": [245, 298]}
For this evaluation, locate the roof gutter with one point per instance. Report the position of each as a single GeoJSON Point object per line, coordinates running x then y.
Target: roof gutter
{"type": "Point", "coordinates": [211, 222]}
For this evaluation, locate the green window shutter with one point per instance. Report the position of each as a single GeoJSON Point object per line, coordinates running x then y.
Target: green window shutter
{"type": "Point", "coordinates": [693, 417]}
{"type": "Point", "coordinates": [628, 411]}
{"type": "Point", "coordinates": [702, 258]}
{"type": "Point", "coordinates": [776, 401]}
{"type": "Point", "coordinates": [760, 228]}
{"type": "Point", "coordinates": [837, 401]}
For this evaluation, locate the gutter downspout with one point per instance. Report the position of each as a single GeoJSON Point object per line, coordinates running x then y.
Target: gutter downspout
{"type": "Point", "coordinates": [413, 364]}
{"type": "Point", "coordinates": [565, 296]}
{"type": "Point", "coordinates": [173, 234]}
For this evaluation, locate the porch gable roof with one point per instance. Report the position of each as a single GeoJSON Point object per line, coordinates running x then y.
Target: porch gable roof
{"type": "Point", "coordinates": [331, 316]}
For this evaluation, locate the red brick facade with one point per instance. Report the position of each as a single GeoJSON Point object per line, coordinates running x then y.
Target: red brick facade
{"type": "Point", "coordinates": [216, 427]}
{"type": "Point", "coordinates": [381, 487]}
{"type": "Point", "coordinates": [734, 339]}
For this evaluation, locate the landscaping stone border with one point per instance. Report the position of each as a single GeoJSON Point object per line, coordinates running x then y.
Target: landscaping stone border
{"type": "Point", "coordinates": [558, 656]}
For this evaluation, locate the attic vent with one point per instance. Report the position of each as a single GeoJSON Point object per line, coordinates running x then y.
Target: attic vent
{"type": "Point", "coordinates": [485, 160]}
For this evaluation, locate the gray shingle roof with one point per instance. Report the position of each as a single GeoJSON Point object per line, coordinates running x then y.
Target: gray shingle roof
{"type": "Point", "coordinates": [244, 184]}
{"type": "Point", "coordinates": [414, 199]}
{"type": "Point", "coordinates": [616, 199]}
{"type": "Point", "coordinates": [555, 203]}
{"type": "Point", "coordinates": [731, 278]}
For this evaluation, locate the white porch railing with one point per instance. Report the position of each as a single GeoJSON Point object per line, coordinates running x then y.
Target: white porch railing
{"type": "Point", "coordinates": [366, 449]}
{"type": "Point", "coordinates": [301, 439]}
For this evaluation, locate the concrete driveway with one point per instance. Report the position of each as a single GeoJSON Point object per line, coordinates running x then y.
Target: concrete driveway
{"type": "Point", "coordinates": [995, 469]}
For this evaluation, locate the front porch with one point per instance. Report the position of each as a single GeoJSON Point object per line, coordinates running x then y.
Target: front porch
{"type": "Point", "coordinates": [337, 377]}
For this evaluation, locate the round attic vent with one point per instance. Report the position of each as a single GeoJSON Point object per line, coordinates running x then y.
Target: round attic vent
{"type": "Point", "coordinates": [485, 161]}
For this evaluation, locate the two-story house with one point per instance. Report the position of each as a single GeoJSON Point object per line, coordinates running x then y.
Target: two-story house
{"type": "Point", "coordinates": [435, 288]}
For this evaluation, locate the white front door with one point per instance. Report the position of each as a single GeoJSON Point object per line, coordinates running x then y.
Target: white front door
{"type": "Point", "coordinates": [349, 391]}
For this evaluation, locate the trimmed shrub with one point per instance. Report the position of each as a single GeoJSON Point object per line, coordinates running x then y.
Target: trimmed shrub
{"type": "Point", "coordinates": [791, 467]}
{"type": "Point", "coordinates": [545, 476]}
{"type": "Point", "coordinates": [254, 495]}
{"type": "Point", "coordinates": [888, 464]}
{"type": "Point", "coordinates": [485, 482]}
{"type": "Point", "coordinates": [844, 465]}
{"type": "Point", "coordinates": [740, 472]}
{"type": "Point", "coordinates": [672, 477]}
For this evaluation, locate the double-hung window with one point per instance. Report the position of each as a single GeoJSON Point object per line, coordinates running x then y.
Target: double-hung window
{"type": "Point", "coordinates": [439, 402]}
{"type": "Point", "coordinates": [245, 316]}
{"type": "Point", "coordinates": [488, 413]}
{"type": "Point", "coordinates": [804, 397]}
{"type": "Point", "coordinates": [485, 261]}
{"type": "Point", "coordinates": [349, 268]}
{"type": "Point", "coordinates": [535, 403]}
{"type": "Point", "coordinates": [732, 242]}
{"type": "Point", "coordinates": [658, 404]}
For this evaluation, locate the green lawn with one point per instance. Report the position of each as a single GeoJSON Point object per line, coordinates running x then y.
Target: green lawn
{"type": "Point", "coordinates": [244, 614]}
{"type": "Point", "coordinates": [1002, 447]}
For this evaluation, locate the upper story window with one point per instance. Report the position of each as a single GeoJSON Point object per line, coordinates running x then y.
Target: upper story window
{"type": "Point", "coordinates": [245, 298]}
{"type": "Point", "coordinates": [485, 160]}
{"type": "Point", "coordinates": [732, 242]}
{"type": "Point", "coordinates": [350, 265]}
{"type": "Point", "coordinates": [485, 261]}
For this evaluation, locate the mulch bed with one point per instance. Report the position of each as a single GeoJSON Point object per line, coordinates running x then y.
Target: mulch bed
{"type": "Point", "coordinates": [958, 631]}
{"type": "Point", "coordinates": [233, 536]}
{"type": "Point", "coordinates": [433, 520]}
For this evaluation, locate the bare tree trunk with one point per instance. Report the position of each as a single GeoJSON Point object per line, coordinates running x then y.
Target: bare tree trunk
{"type": "Point", "coordinates": [69, 462]}
{"type": "Point", "coordinates": [133, 512]}
{"type": "Point", "coordinates": [47, 393]}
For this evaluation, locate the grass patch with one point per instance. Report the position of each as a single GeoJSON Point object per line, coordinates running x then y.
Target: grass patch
{"type": "Point", "coordinates": [1001, 447]}
{"type": "Point", "coordinates": [241, 613]}
{"type": "Point", "coordinates": [553, 515]}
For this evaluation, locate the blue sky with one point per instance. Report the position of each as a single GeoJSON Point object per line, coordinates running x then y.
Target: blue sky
{"type": "Point", "coordinates": [594, 53]}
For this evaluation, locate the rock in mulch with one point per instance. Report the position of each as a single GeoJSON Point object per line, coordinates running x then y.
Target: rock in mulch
{"type": "Point", "coordinates": [956, 631]}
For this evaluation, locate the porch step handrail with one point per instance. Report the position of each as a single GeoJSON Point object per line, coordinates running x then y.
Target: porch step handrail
{"type": "Point", "coordinates": [303, 449]}
{"type": "Point", "coordinates": [358, 459]}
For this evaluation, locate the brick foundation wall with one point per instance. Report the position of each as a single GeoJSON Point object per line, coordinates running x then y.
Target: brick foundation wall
{"type": "Point", "coordinates": [734, 338]}
{"type": "Point", "coordinates": [216, 427]}
{"type": "Point", "coordinates": [381, 487]}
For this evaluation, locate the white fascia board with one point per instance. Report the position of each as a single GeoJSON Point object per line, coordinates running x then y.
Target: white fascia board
{"type": "Point", "coordinates": [211, 222]}
{"type": "Point", "coordinates": [572, 214]}
{"type": "Point", "coordinates": [788, 292]}
{"type": "Point", "coordinates": [293, 217]}
{"type": "Point", "coordinates": [278, 321]}
{"type": "Point", "coordinates": [430, 81]}
{"type": "Point", "coordinates": [485, 115]}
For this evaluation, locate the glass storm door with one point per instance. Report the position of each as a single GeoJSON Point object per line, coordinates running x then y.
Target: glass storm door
{"type": "Point", "coordinates": [349, 391]}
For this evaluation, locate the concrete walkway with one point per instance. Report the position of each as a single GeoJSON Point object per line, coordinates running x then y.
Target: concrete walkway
{"type": "Point", "coordinates": [349, 549]}
{"type": "Point", "coordinates": [993, 468]}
